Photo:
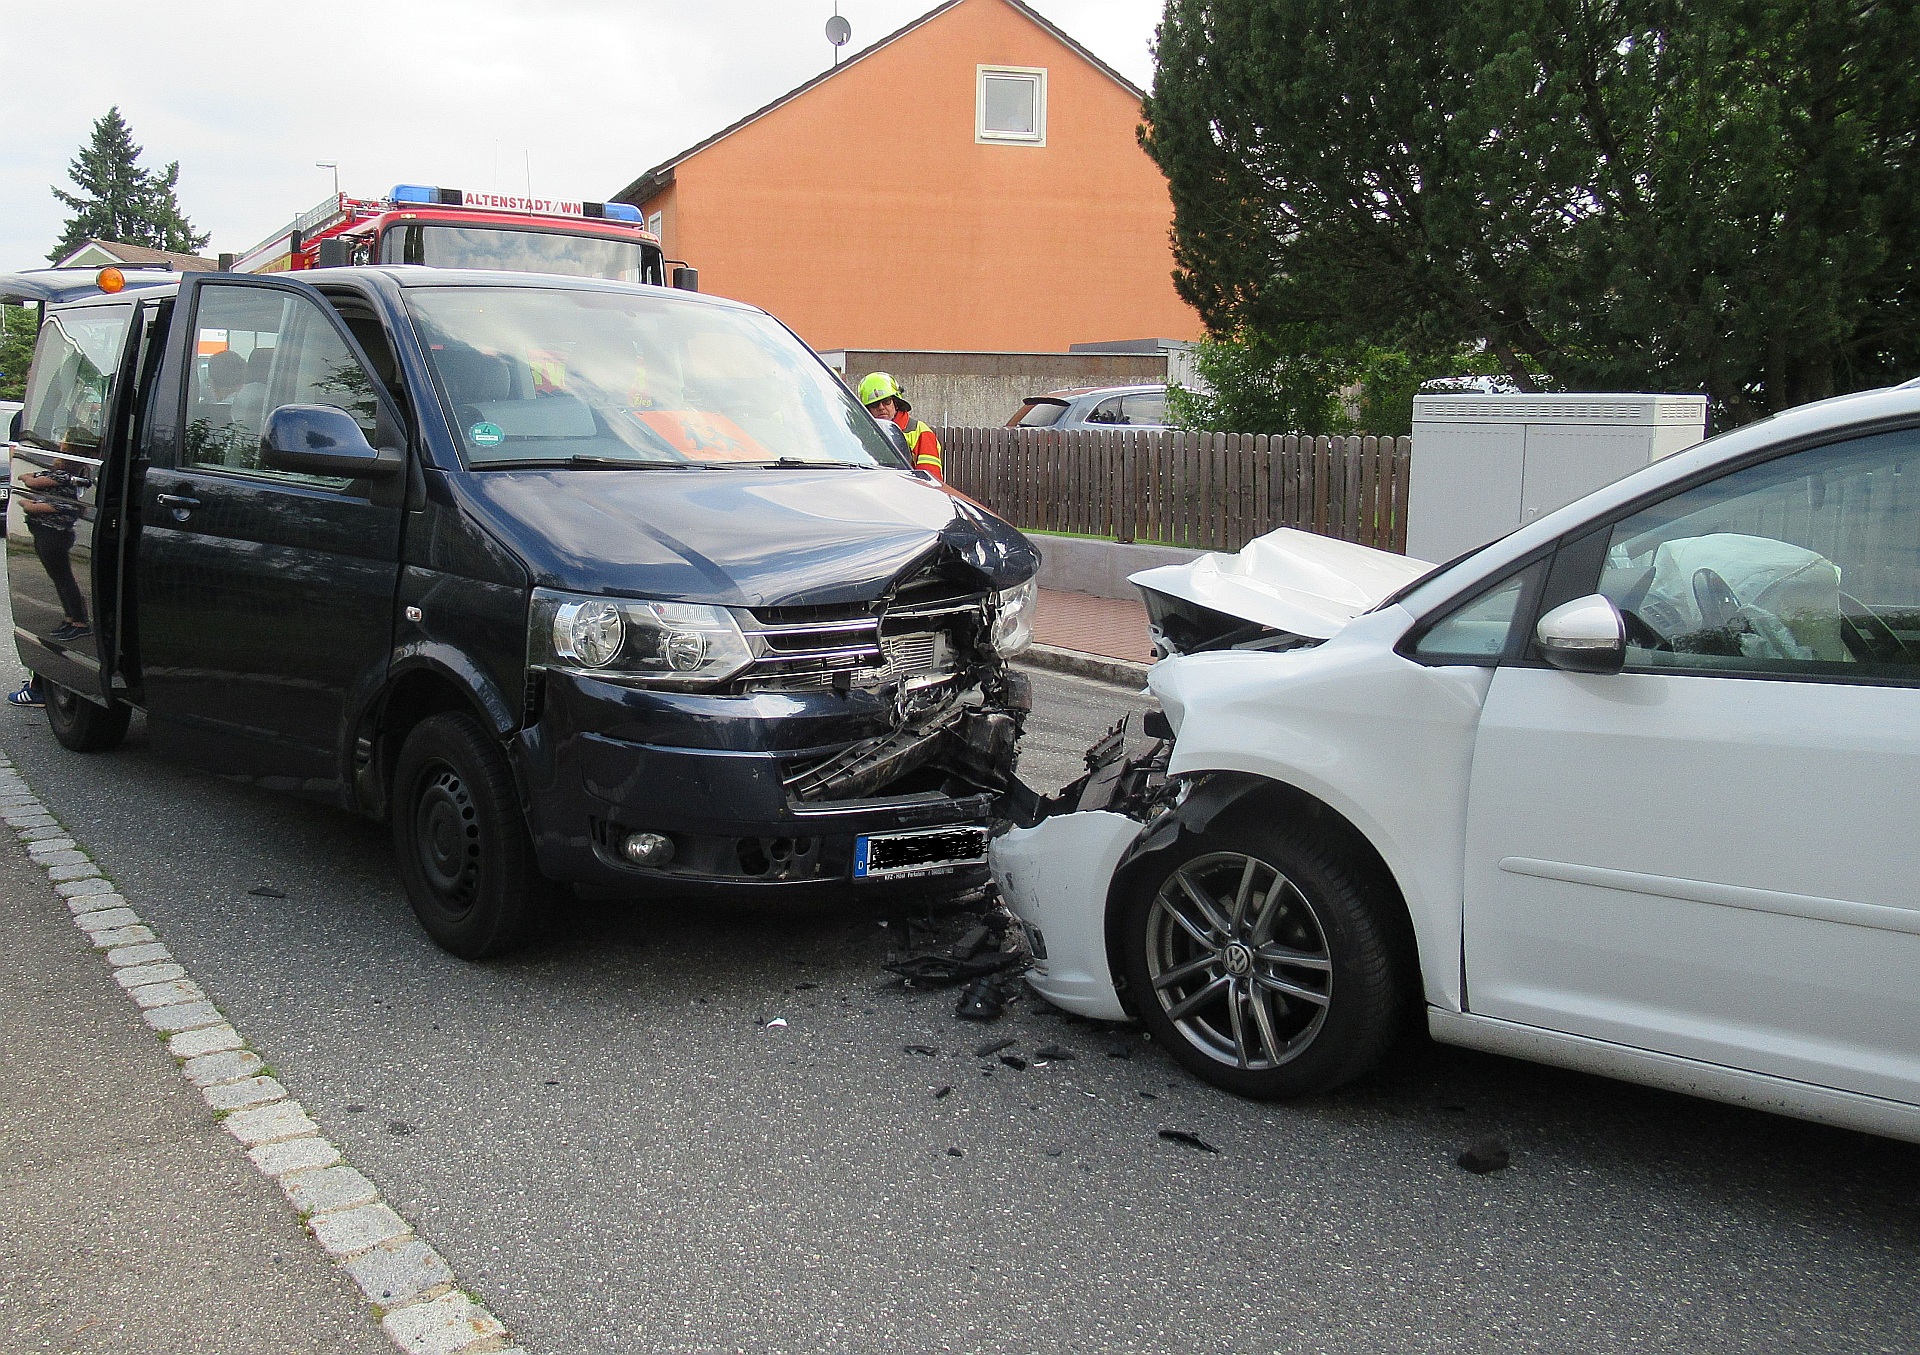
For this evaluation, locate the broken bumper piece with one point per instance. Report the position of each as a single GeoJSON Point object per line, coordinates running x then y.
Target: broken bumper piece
{"type": "Point", "coordinates": [1054, 878]}
{"type": "Point", "coordinates": [762, 792]}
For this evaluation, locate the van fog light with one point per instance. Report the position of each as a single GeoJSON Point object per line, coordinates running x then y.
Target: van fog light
{"type": "Point", "coordinates": [647, 849]}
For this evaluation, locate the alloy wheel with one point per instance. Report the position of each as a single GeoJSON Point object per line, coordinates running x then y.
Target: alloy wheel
{"type": "Point", "coordinates": [1238, 960]}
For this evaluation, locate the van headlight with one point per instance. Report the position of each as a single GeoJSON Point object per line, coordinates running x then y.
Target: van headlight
{"type": "Point", "coordinates": [663, 644]}
{"type": "Point", "coordinates": [1013, 618]}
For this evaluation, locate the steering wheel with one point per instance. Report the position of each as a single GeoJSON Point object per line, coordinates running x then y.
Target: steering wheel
{"type": "Point", "coordinates": [1721, 621]}
{"type": "Point", "coordinates": [1726, 621]}
{"type": "Point", "coordinates": [1868, 635]}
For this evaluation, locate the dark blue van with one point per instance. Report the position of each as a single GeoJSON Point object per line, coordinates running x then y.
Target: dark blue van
{"type": "Point", "coordinates": [569, 580]}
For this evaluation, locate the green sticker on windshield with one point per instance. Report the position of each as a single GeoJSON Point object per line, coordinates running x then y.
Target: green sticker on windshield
{"type": "Point", "coordinates": [486, 435]}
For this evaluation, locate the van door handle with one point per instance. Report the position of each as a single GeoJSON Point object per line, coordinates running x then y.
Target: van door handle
{"type": "Point", "coordinates": [181, 504]}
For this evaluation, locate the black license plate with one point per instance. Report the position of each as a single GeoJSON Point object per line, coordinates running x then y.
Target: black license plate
{"type": "Point", "coordinates": [921, 851]}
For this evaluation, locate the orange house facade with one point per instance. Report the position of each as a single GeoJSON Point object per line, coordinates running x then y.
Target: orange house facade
{"type": "Point", "coordinates": [972, 183]}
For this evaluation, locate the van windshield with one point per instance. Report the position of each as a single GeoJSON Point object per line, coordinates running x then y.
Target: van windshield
{"type": "Point", "coordinates": [552, 376]}
{"type": "Point", "coordinates": [570, 254]}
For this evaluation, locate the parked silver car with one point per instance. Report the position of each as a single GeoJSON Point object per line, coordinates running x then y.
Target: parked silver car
{"type": "Point", "coordinates": [1094, 407]}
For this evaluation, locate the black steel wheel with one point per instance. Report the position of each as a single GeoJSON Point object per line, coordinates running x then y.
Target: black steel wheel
{"type": "Point", "coordinates": [1264, 962]}
{"type": "Point", "coordinates": [82, 725]}
{"type": "Point", "coordinates": [462, 846]}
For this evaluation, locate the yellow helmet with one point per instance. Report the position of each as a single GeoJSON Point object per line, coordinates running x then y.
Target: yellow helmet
{"type": "Point", "coordinates": [877, 386]}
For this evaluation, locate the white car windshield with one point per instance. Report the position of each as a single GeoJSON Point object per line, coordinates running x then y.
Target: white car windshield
{"type": "Point", "coordinates": [535, 376]}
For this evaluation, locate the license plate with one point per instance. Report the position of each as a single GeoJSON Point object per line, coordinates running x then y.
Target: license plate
{"type": "Point", "coordinates": [922, 851]}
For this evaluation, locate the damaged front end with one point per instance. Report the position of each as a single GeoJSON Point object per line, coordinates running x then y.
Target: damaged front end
{"type": "Point", "coordinates": [1054, 866]}
{"type": "Point", "coordinates": [850, 740]}
{"type": "Point", "coordinates": [1286, 591]}
{"type": "Point", "coordinates": [934, 650]}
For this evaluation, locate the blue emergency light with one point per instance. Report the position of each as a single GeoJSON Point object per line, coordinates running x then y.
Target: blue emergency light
{"type": "Point", "coordinates": [426, 194]}
{"type": "Point", "coordinates": [621, 211]}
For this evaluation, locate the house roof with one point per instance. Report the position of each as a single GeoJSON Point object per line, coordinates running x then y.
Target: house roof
{"type": "Point", "coordinates": [657, 178]}
{"type": "Point", "coordinates": [125, 253]}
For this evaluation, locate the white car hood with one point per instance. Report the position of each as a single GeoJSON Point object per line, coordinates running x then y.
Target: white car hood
{"type": "Point", "coordinates": [1288, 580]}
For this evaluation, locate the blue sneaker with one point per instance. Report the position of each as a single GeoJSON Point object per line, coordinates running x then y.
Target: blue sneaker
{"type": "Point", "coordinates": [27, 698]}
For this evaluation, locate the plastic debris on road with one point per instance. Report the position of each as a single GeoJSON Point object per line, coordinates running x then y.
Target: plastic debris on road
{"type": "Point", "coordinates": [1188, 1138]}
{"type": "Point", "coordinates": [1486, 1155]}
{"type": "Point", "coordinates": [983, 1001]}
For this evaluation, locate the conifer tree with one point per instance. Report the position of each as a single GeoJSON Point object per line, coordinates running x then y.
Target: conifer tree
{"type": "Point", "coordinates": [120, 201]}
{"type": "Point", "coordinates": [1709, 195]}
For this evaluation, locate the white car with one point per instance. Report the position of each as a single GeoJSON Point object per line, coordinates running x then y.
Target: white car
{"type": "Point", "coordinates": [1634, 790]}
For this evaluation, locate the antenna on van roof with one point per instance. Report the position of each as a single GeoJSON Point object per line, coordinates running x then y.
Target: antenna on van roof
{"type": "Point", "coordinates": [838, 32]}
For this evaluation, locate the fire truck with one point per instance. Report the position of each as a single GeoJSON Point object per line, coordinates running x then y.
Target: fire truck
{"type": "Point", "coordinates": [448, 228]}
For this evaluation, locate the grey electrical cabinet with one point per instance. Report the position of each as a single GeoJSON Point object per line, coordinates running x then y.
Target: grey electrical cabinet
{"type": "Point", "coordinates": [1483, 465]}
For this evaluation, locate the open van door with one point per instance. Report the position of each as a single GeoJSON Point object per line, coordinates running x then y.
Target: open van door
{"type": "Point", "coordinates": [62, 517]}
{"type": "Point", "coordinates": [266, 577]}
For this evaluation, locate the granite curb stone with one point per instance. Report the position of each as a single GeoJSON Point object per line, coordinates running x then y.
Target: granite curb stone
{"type": "Point", "coordinates": [442, 1326]}
{"type": "Point", "coordinates": [346, 1231]}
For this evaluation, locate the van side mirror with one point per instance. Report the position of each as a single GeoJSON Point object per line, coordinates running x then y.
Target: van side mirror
{"type": "Point", "coordinates": [15, 424]}
{"type": "Point", "coordinates": [322, 440]}
{"type": "Point", "coordinates": [1586, 635]}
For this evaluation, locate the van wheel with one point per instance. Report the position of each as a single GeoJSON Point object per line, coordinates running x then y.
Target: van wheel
{"type": "Point", "coordinates": [464, 854]}
{"type": "Point", "coordinates": [82, 725]}
{"type": "Point", "coordinates": [1264, 963]}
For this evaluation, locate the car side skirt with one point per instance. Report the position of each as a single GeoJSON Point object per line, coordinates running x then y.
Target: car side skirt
{"type": "Point", "coordinates": [1757, 1091]}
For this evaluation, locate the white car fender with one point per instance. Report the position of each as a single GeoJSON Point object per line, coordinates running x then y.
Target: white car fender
{"type": "Point", "coordinates": [1383, 741]}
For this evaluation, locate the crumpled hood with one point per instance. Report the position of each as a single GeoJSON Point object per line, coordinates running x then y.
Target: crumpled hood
{"type": "Point", "coordinates": [1288, 580]}
{"type": "Point", "coordinates": [741, 537]}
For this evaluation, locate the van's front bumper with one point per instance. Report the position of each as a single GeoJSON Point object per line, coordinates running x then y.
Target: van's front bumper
{"type": "Point", "coordinates": [605, 761]}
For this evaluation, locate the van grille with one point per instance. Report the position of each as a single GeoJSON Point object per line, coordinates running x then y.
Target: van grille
{"type": "Point", "coordinates": [916, 640]}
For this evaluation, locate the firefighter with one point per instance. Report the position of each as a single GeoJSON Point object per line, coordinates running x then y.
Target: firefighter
{"type": "Point", "coordinates": [884, 399]}
{"type": "Point", "coordinates": [880, 393]}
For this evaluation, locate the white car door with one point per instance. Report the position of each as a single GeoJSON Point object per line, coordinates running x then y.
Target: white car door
{"type": "Point", "coordinates": [1716, 852]}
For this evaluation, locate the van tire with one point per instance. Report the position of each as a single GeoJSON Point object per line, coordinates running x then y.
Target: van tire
{"type": "Point", "coordinates": [461, 841]}
{"type": "Point", "coordinates": [81, 725]}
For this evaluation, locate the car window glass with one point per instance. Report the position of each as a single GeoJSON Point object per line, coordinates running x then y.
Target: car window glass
{"type": "Point", "coordinates": [1042, 414]}
{"type": "Point", "coordinates": [1476, 632]}
{"type": "Point", "coordinates": [256, 349]}
{"type": "Point", "coordinates": [1145, 410]}
{"type": "Point", "coordinates": [1805, 565]}
{"type": "Point", "coordinates": [71, 385]}
{"type": "Point", "coordinates": [1107, 411]}
{"type": "Point", "coordinates": [586, 377]}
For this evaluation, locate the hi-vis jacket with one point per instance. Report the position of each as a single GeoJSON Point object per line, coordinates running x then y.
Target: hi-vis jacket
{"type": "Point", "coordinates": [926, 447]}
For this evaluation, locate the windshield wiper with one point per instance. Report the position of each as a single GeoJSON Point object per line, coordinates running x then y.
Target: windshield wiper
{"type": "Point", "coordinates": [803, 463]}
{"type": "Point", "coordinates": [587, 463]}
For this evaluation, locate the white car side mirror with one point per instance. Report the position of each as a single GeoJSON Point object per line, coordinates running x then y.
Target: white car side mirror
{"type": "Point", "coordinates": [1586, 635]}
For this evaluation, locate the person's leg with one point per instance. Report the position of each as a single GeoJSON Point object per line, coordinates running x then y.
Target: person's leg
{"type": "Point", "coordinates": [55, 549]}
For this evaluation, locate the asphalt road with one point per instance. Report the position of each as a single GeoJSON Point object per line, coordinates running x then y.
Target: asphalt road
{"type": "Point", "coordinates": [618, 1156]}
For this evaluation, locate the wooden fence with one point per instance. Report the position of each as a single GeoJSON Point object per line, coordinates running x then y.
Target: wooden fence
{"type": "Point", "coordinates": [1207, 491]}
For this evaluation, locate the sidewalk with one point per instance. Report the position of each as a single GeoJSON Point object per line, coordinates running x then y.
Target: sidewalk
{"type": "Point", "coordinates": [132, 1221]}
{"type": "Point", "coordinates": [1102, 638]}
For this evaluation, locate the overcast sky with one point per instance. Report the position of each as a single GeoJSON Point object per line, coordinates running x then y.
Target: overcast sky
{"type": "Point", "coordinates": [473, 94]}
